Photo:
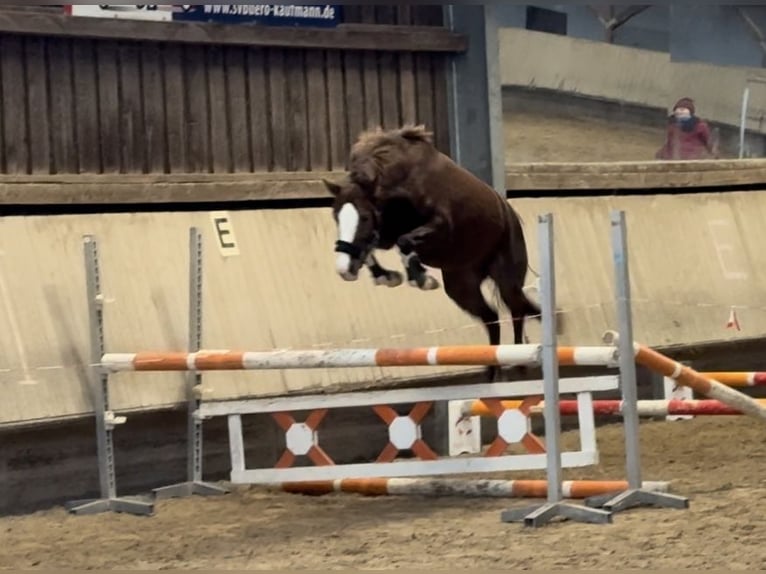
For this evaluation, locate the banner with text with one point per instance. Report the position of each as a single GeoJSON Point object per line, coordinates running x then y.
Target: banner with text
{"type": "Point", "coordinates": [313, 15]}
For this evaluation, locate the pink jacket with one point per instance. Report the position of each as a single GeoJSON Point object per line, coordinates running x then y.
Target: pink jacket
{"type": "Point", "coordinates": [687, 140]}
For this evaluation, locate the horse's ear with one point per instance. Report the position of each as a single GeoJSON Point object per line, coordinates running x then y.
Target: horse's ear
{"type": "Point", "coordinates": [416, 133]}
{"type": "Point", "coordinates": [333, 188]}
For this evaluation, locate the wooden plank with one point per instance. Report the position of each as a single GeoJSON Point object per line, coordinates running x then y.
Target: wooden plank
{"type": "Point", "coordinates": [154, 100]}
{"type": "Point", "coordinates": [3, 150]}
{"type": "Point", "coordinates": [404, 14]}
{"type": "Point", "coordinates": [428, 15]}
{"type": "Point", "coordinates": [86, 118]}
{"type": "Point", "coordinates": [367, 14]}
{"type": "Point", "coordinates": [196, 104]}
{"type": "Point", "coordinates": [298, 122]}
{"type": "Point", "coordinates": [174, 87]}
{"type": "Point", "coordinates": [425, 92]}
{"type": "Point", "coordinates": [354, 90]}
{"type": "Point", "coordinates": [49, 190]}
{"type": "Point", "coordinates": [441, 110]}
{"type": "Point", "coordinates": [43, 189]}
{"type": "Point", "coordinates": [259, 95]}
{"type": "Point", "coordinates": [385, 14]}
{"type": "Point", "coordinates": [318, 112]}
{"type": "Point", "coordinates": [352, 14]}
{"type": "Point", "coordinates": [407, 88]}
{"type": "Point", "coordinates": [132, 128]}
{"type": "Point", "coordinates": [15, 105]}
{"type": "Point", "coordinates": [630, 175]}
{"type": "Point", "coordinates": [701, 172]}
{"type": "Point", "coordinates": [63, 82]}
{"type": "Point", "coordinates": [109, 106]}
{"type": "Point", "coordinates": [337, 111]}
{"type": "Point", "coordinates": [389, 90]}
{"type": "Point", "coordinates": [220, 143]}
{"type": "Point", "coordinates": [372, 88]}
{"type": "Point", "coordinates": [238, 112]}
{"type": "Point", "coordinates": [427, 38]}
{"type": "Point", "coordinates": [279, 110]}
{"type": "Point", "coordinates": [40, 160]}
{"type": "Point", "coordinates": [372, 96]}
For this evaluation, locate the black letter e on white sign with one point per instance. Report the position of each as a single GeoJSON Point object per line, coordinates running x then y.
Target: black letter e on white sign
{"type": "Point", "coordinates": [224, 231]}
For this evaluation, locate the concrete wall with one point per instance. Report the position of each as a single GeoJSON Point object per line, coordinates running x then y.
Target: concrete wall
{"type": "Point", "coordinates": [643, 77]}
{"type": "Point", "coordinates": [648, 30]}
{"type": "Point", "coordinates": [281, 291]}
{"type": "Point", "coordinates": [712, 34]}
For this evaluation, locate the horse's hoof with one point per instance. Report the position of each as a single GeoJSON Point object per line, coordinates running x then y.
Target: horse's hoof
{"type": "Point", "coordinates": [390, 279]}
{"type": "Point", "coordinates": [429, 284]}
{"type": "Point", "coordinates": [425, 283]}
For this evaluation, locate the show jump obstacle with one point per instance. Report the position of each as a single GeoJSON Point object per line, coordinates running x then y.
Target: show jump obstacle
{"type": "Point", "coordinates": [404, 431]}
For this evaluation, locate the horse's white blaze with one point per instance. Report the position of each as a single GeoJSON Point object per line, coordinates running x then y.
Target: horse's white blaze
{"type": "Point", "coordinates": [348, 222]}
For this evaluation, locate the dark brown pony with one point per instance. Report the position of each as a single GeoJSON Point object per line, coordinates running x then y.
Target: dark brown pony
{"type": "Point", "coordinates": [402, 191]}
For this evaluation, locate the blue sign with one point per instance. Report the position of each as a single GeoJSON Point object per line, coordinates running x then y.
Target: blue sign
{"type": "Point", "coordinates": [315, 15]}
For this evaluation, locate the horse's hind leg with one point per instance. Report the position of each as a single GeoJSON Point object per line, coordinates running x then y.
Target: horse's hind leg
{"type": "Point", "coordinates": [515, 299]}
{"type": "Point", "coordinates": [517, 302]}
{"type": "Point", "coordinates": [464, 288]}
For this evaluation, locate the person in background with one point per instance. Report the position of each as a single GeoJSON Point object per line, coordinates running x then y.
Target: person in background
{"type": "Point", "coordinates": [688, 136]}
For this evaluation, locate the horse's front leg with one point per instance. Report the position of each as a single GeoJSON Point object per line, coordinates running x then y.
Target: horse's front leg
{"type": "Point", "coordinates": [408, 245]}
{"type": "Point", "coordinates": [381, 275]}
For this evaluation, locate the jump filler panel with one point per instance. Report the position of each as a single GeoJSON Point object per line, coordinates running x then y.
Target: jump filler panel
{"type": "Point", "coordinates": [404, 431]}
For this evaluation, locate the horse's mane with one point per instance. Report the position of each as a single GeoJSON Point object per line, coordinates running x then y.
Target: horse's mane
{"type": "Point", "coordinates": [384, 157]}
{"type": "Point", "coordinates": [376, 136]}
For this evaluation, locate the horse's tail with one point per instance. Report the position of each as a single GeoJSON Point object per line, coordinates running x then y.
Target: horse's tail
{"type": "Point", "coordinates": [511, 267]}
{"type": "Point", "coordinates": [521, 221]}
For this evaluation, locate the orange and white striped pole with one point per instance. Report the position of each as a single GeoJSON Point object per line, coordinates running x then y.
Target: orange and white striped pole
{"type": "Point", "coordinates": [467, 488]}
{"type": "Point", "coordinates": [738, 379]}
{"type": "Point", "coordinates": [688, 377]}
{"type": "Point", "coordinates": [509, 355]}
{"type": "Point", "coordinates": [646, 408]}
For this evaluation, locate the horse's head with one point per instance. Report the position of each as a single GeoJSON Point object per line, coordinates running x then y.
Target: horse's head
{"type": "Point", "coordinates": [357, 219]}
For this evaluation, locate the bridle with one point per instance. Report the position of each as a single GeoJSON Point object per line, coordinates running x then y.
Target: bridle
{"type": "Point", "coordinates": [355, 251]}
{"type": "Point", "coordinates": [360, 253]}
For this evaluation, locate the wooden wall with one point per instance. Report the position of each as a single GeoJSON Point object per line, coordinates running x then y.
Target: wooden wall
{"type": "Point", "coordinates": [79, 105]}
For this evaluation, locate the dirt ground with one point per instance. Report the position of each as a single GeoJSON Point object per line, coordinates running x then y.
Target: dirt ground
{"type": "Point", "coordinates": [716, 462]}
{"type": "Point", "coordinates": [541, 138]}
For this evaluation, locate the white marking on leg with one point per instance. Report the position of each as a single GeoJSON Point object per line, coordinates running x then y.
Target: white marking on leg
{"type": "Point", "coordinates": [348, 222]}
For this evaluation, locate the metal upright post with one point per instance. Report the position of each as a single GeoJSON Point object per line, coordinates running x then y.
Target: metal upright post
{"type": "Point", "coordinates": [105, 419]}
{"type": "Point", "coordinates": [554, 507]}
{"type": "Point", "coordinates": [634, 496]}
{"type": "Point", "coordinates": [194, 483]}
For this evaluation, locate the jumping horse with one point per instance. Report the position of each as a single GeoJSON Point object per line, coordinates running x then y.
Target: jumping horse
{"type": "Point", "coordinates": [401, 191]}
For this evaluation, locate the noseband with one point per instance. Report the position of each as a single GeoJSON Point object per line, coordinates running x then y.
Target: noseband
{"type": "Point", "coordinates": [355, 251]}
{"type": "Point", "coordinates": [348, 248]}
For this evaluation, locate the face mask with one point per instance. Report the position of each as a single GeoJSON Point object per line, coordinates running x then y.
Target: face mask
{"type": "Point", "coordinates": [682, 114]}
